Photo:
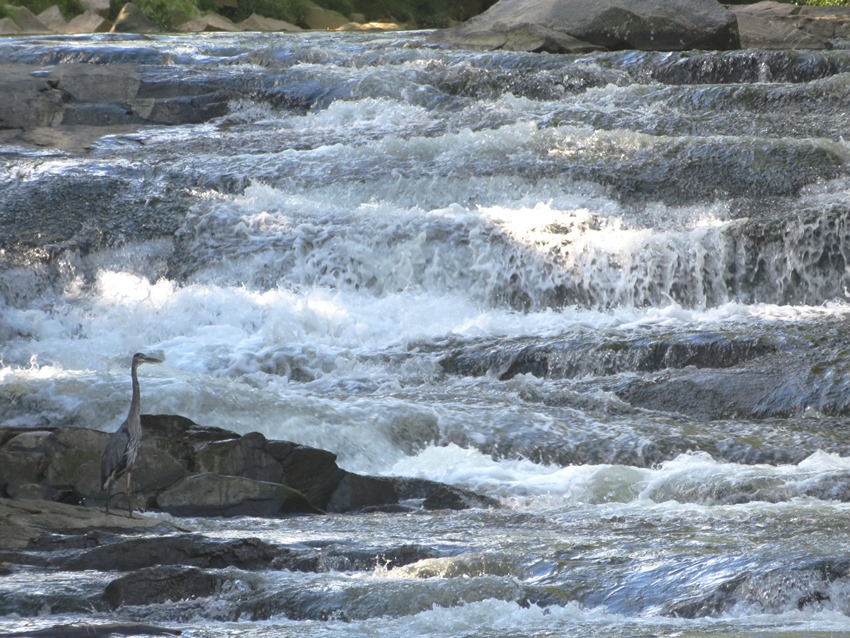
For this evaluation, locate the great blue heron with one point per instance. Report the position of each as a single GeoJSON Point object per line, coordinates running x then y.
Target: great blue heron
{"type": "Point", "coordinates": [122, 448]}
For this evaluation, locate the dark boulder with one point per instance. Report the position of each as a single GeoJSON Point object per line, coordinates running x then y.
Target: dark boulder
{"type": "Point", "coordinates": [161, 584]}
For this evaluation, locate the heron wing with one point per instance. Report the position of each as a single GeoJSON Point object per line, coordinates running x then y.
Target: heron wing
{"type": "Point", "coordinates": [113, 461]}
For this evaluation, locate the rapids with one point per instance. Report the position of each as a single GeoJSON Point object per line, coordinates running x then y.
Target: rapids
{"type": "Point", "coordinates": [609, 290]}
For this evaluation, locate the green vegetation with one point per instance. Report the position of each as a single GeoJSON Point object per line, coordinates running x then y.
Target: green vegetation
{"type": "Point", "coordinates": [288, 10]}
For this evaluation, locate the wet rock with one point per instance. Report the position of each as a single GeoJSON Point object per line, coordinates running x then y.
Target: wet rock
{"type": "Point", "coordinates": [355, 492]}
{"type": "Point", "coordinates": [573, 26]}
{"type": "Point", "coordinates": [72, 98]}
{"type": "Point", "coordinates": [188, 470]}
{"type": "Point", "coordinates": [256, 22]}
{"type": "Point", "coordinates": [216, 495]}
{"type": "Point", "coordinates": [450, 498]}
{"type": "Point", "coordinates": [810, 584]}
{"type": "Point", "coordinates": [161, 584]}
{"type": "Point", "coordinates": [131, 20]}
{"type": "Point", "coordinates": [556, 359]}
{"type": "Point", "coordinates": [105, 630]}
{"type": "Point", "coordinates": [188, 550]}
{"type": "Point", "coordinates": [440, 496]}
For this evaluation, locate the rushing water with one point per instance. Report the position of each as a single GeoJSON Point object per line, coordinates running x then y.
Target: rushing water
{"type": "Point", "coordinates": [608, 290]}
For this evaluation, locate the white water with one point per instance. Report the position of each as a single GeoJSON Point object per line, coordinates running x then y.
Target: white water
{"type": "Point", "coordinates": [377, 236]}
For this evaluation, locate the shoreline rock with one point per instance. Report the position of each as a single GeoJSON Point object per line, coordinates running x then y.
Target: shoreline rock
{"type": "Point", "coordinates": [776, 25]}
{"type": "Point", "coordinates": [579, 26]}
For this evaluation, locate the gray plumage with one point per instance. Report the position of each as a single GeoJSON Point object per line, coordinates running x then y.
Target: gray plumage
{"type": "Point", "coordinates": [122, 448]}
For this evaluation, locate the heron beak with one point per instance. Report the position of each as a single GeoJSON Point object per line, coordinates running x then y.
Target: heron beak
{"type": "Point", "coordinates": [151, 360]}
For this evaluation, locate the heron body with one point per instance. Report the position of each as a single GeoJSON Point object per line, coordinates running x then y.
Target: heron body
{"type": "Point", "coordinates": [122, 448]}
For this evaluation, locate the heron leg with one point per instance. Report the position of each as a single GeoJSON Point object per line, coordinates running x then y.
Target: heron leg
{"type": "Point", "coordinates": [129, 496]}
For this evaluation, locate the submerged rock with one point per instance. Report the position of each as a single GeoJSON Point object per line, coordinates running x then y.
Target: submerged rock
{"type": "Point", "coordinates": [577, 26]}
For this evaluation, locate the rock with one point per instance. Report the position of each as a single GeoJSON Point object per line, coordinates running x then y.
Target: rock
{"type": "Point", "coordinates": [311, 471]}
{"type": "Point", "coordinates": [570, 26]}
{"type": "Point", "coordinates": [131, 20]}
{"type": "Point", "coordinates": [25, 19]}
{"type": "Point", "coordinates": [776, 25]}
{"type": "Point", "coordinates": [370, 26]}
{"type": "Point", "coordinates": [96, 83]}
{"type": "Point", "coordinates": [188, 470]}
{"type": "Point", "coordinates": [256, 22]}
{"type": "Point", "coordinates": [449, 498]}
{"type": "Point", "coordinates": [8, 27]}
{"type": "Point", "coordinates": [23, 457]}
{"type": "Point", "coordinates": [208, 23]}
{"type": "Point", "coordinates": [216, 495]}
{"type": "Point", "coordinates": [161, 584]}
{"type": "Point", "coordinates": [181, 110]}
{"type": "Point", "coordinates": [240, 457]}
{"type": "Point", "coordinates": [87, 22]}
{"type": "Point", "coordinates": [53, 19]}
{"type": "Point", "coordinates": [188, 550]}
{"type": "Point", "coordinates": [99, 7]}
{"type": "Point", "coordinates": [316, 17]}
{"type": "Point", "coordinates": [102, 630]}
{"type": "Point", "coordinates": [355, 492]}
{"type": "Point", "coordinates": [22, 522]}
{"type": "Point", "coordinates": [440, 496]}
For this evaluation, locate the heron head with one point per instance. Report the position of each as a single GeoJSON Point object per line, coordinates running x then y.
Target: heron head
{"type": "Point", "coordinates": [141, 357]}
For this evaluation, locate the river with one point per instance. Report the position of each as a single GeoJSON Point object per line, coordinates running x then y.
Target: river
{"type": "Point", "coordinates": [609, 290]}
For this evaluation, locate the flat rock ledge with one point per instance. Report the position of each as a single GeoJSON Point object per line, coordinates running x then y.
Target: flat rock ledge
{"type": "Point", "coordinates": [185, 469]}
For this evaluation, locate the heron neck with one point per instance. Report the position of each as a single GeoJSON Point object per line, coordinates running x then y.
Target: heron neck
{"type": "Point", "coordinates": [133, 418]}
